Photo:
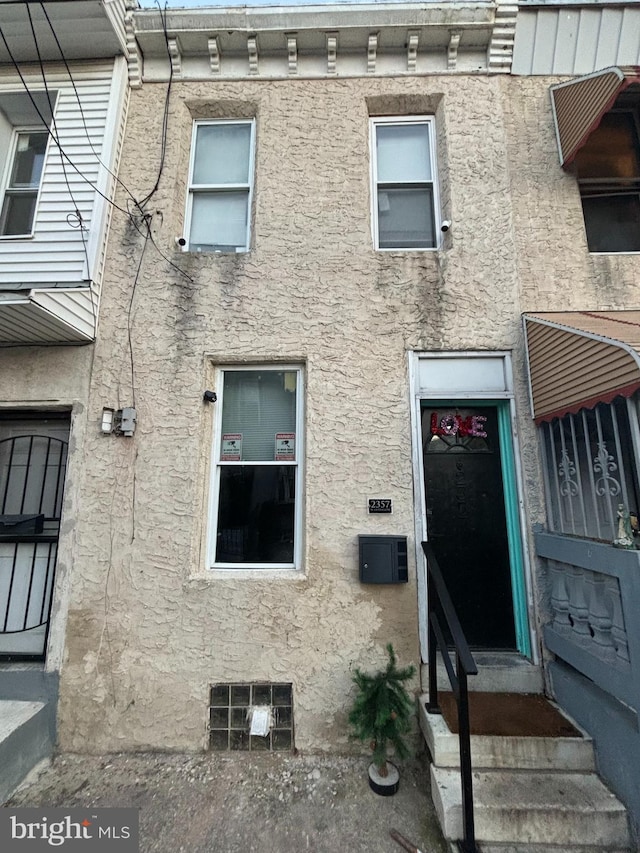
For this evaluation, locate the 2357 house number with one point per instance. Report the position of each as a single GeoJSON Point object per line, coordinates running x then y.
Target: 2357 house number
{"type": "Point", "coordinates": [380, 505]}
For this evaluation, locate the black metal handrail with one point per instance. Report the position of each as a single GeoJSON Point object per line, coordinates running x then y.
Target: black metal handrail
{"type": "Point", "coordinates": [439, 602]}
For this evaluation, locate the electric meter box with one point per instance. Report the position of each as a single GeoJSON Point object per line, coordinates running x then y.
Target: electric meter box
{"type": "Point", "coordinates": [383, 559]}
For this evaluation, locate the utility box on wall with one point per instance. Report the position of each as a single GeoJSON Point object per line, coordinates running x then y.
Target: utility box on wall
{"type": "Point", "coordinates": [383, 559]}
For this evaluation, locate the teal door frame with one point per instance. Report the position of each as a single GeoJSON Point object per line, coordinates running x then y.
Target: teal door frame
{"type": "Point", "coordinates": [511, 506]}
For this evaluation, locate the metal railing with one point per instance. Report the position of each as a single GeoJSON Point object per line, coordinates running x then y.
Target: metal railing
{"type": "Point", "coordinates": [440, 607]}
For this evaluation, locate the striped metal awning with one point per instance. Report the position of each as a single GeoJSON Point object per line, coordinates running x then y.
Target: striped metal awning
{"type": "Point", "coordinates": [579, 104]}
{"type": "Point", "coordinates": [580, 358]}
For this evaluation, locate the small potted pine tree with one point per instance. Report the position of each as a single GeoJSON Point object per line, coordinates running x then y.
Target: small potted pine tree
{"type": "Point", "coordinates": [381, 714]}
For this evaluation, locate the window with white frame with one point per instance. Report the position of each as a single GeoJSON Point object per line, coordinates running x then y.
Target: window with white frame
{"type": "Point", "coordinates": [404, 183]}
{"type": "Point", "coordinates": [220, 186]}
{"type": "Point", "coordinates": [591, 470]}
{"type": "Point", "coordinates": [23, 141]}
{"type": "Point", "coordinates": [256, 509]}
{"type": "Point", "coordinates": [23, 182]}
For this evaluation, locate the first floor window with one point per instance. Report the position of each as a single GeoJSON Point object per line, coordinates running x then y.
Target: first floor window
{"type": "Point", "coordinates": [403, 165]}
{"type": "Point", "coordinates": [220, 186]}
{"type": "Point", "coordinates": [590, 469]}
{"type": "Point", "coordinates": [23, 182]}
{"type": "Point", "coordinates": [257, 488]}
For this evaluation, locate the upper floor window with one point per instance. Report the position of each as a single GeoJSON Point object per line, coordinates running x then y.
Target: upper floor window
{"type": "Point", "coordinates": [220, 186]}
{"type": "Point", "coordinates": [24, 175]}
{"type": "Point", "coordinates": [23, 147]}
{"type": "Point", "coordinates": [404, 183]}
{"type": "Point", "coordinates": [608, 170]}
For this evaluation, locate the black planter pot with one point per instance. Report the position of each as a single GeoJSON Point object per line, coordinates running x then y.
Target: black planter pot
{"type": "Point", "coordinates": [385, 786]}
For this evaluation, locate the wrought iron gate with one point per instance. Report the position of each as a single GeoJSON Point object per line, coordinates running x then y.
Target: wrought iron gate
{"type": "Point", "coordinates": [32, 472]}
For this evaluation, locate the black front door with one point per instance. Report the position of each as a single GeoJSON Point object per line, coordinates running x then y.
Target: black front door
{"type": "Point", "coordinates": [466, 520]}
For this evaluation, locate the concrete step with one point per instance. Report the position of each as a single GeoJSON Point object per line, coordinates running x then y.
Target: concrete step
{"type": "Point", "coordinates": [25, 739]}
{"type": "Point", "coordinates": [493, 751]}
{"type": "Point", "coordinates": [515, 807]}
{"type": "Point", "coordinates": [498, 672]}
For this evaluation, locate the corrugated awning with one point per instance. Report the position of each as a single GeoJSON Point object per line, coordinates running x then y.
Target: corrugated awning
{"type": "Point", "coordinates": [580, 358]}
{"type": "Point", "coordinates": [579, 104]}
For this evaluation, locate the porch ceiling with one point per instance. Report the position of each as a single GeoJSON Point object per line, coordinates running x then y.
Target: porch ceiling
{"type": "Point", "coordinates": [580, 358]}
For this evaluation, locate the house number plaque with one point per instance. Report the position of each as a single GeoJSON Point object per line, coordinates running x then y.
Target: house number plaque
{"type": "Point", "coordinates": [380, 505]}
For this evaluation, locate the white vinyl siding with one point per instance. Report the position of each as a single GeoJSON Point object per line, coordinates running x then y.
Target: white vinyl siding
{"type": "Point", "coordinates": [55, 255]}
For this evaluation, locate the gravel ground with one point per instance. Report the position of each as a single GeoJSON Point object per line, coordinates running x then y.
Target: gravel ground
{"type": "Point", "coordinates": [240, 802]}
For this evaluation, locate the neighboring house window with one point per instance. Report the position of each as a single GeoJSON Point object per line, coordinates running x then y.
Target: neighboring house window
{"type": "Point", "coordinates": [257, 478]}
{"type": "Point", "coordinates": [608, 170]}
{"type": "Point", "coordinates": [23, 182]}
{"type": "Point", "coordinates": [590, 469]}
{"type": "Point", "coordinates": [220, 186]}
{"type": "Point", "coordinates": [404, 183]}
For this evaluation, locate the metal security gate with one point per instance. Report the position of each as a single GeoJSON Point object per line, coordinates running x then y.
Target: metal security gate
{"type": "Point", "coordinates": [32, 473]}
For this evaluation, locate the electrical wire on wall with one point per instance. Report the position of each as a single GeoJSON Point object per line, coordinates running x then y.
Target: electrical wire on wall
{"type": "Point", "coordinates": [74, 219]}
{"type": "Point", "coordinates": [136, 216]}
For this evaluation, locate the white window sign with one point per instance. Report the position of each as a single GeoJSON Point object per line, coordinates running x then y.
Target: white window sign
{"type": "Point", "coordinates": [285, 446]}
{"type": "Point", "coordinates": [231, 450]}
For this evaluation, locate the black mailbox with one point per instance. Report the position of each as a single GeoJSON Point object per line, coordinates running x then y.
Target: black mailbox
{"type": "Point", "coordinates": [383, 559]}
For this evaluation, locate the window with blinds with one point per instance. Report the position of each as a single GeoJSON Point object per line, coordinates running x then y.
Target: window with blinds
{"type": "Point", "coordinates": [256, 506]}
{"type": "Point", "coordinates": [220, 186]}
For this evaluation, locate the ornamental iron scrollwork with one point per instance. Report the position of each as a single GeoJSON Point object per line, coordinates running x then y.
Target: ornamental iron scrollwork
{"type": "Point", "coordinates": [566, 472]}
{"type": "Point", "coordinates": [604, 464]}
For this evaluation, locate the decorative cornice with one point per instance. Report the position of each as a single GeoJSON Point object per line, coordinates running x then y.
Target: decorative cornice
{"type": "Point", "coordinates": [133, 54]}
{"type": "Point", "coordinates": [500, 55]}
{"type": "Point", "coordinates": [346, 40]}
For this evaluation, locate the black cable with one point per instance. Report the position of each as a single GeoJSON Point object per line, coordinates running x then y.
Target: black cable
{"type": "Point", "coordinates": [165, 118]}
{"type": "Point", "coordinates": [129, 309]}
{"type": "Point", "coordinates": [139, 205]}
{"type": "Point", "coordinates": [82, 115]}
{"type": "Point", "coordinates": [77, 213]}
{"type": "Point", "coordinates": [52, 110]}
{"type": "Point", "coordinates": [46, 125]}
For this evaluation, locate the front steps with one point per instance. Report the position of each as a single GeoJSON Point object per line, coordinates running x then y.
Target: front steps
{"type": "Point", "coordinates": [531, 794]}
{"type": "Point", "coordinates": [25, 739]}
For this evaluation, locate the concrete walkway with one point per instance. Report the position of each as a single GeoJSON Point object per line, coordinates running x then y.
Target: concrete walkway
{"type": "Point", "coordinates": [240, 802]}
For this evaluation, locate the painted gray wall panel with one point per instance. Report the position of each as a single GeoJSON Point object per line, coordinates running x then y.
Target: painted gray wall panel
{"type": "Point", "coordinates": [614, 730]}
{"type": "Point", "coordinates": [575, 40]}
{"type": "Point", "coordinates": [629, 45]}
{"type": "Point", "coordinates": [546, 38]}
{"type": "Point", "coordinates": [567, 39]}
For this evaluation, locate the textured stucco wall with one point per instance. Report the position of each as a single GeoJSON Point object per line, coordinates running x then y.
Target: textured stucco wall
{"type": "Point", "coordinates": [149, 629]}
{"type": "Point", "coordinates": [52, 379]}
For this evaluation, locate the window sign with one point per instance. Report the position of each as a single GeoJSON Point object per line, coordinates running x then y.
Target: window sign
{"type": "Point", "coordinates": [285, 446]}
{"type": "Point", "coordinates": [231, 447]}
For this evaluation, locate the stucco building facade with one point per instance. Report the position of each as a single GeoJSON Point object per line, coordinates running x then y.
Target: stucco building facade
{"type": "Point", "coordinates": [214, 544]}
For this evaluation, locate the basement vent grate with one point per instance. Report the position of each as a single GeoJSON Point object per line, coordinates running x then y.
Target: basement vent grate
{"type": "Point", "coordinates": [234, 707]}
